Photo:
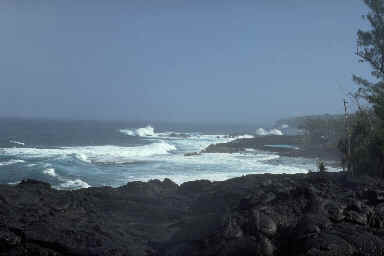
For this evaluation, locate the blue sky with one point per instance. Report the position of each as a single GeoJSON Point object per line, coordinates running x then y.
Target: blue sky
{"type": "Point", "coordinates": [235, 61]}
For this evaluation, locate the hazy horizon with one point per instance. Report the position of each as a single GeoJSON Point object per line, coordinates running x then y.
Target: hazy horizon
{"type": "Point", "coordinates": [154, 123]}
{"type": "Point", "coordinates": [187, 62]}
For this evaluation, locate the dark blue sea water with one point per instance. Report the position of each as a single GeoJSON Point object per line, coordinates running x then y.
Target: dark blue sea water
{"type": "Point", "coordinates": [79, 154]}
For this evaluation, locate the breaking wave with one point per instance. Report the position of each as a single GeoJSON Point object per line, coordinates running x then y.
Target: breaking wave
{"type": "Point", "coordinates": [74, 184]}
{"type": "Point", "coordinates": [263, 132]}
{"type": "Point", "coordinates": [10, 162]}
{"type": "Point", "coordinates": [14, 183]}
{"type": "Point", "coordinates": [50, 172]}
{"type": "Point", "coordinates": [66, 183]}
{"type": "Point", "coordinates": [245, 136]}
{"type": "Point", "coordinates": [147, 131]}
{"type": "Point", "coordinates": [17, 142]}
{"type": "Point", "coordinates": [97, 154]}
{"type": "Point", "coordinates": [82, 157]}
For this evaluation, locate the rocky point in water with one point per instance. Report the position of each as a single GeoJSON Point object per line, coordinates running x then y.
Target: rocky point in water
{"type": "Point", "coordinates": [301, 214]}
{"type": "Point", "coordinates": [284, 145]}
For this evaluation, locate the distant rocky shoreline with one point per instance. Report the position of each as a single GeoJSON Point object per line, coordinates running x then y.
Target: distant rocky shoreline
{"type": "Point", "coordinates": [301, 214]}
{"type": "Point", "coordinates": [291, 146]}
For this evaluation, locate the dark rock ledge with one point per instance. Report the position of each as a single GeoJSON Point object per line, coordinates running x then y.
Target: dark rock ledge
{"type": "Point", "coordinates": [303, 214]}
{"type": "Point", "coordinates": [299, 149]}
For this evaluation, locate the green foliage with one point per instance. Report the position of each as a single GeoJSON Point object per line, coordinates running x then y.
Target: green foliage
{"type": "Point", "coordinates": [371, 50]}
{"type": "Point", "coordinates": [323, 130]}
{"type": "Point", "coordinates": [318, 130]}
{"type": "Point", "coordinates": [321, 166]}
{"type": "Point", "coordinates": [362, 151]}
{"type": "Point", "coordinates": [363, 144]}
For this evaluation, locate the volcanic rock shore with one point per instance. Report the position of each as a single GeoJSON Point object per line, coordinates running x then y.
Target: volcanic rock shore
{"type": "Point", "coordinates": [302, 214]}
{"type": "Point", "coordinates": [266, 143]}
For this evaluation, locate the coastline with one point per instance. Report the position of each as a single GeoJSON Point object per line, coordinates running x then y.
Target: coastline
{"type": "Point", "coordinates": [290, 146]}
{"type": "Point", "coordinates": [260, 214]}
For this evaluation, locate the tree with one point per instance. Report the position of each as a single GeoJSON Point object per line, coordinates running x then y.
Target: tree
{"type": "Point", "coordinates": [323, 130]}
{"type": "Point", "coordinates": [370, 49]}
{"type": "Point", "coordinates": [363, 147]}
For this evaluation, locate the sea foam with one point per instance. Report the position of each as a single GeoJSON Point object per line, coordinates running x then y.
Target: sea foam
{"type": "Point", "coordinates": [263, 132]}
{"type": "Point", "coordinates": [82, 157]}
{"type": "Point", "coordinates": [17, 142]}
{"type": "Point", "coordinates": [74, 184]}
{"type": "Point", "coordinates": [50, 172]}
{"type": "Point", "coordinates": [245, 136]}
{"type": "Point", "coordinates": [147, 131]}
{"type": "Point", "coordinates": [65, 182]}
{"type": "Point", "coordinates": [88, 154]}
{"type": "Point", "coordinates": [10, 162]}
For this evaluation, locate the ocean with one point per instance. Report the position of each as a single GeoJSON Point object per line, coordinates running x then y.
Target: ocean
{"type": "Point", "coordinates": [80, 154]}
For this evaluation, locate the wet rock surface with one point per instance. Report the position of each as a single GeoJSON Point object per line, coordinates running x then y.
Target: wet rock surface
{"type": "Point", "coordinates": [302, 214]}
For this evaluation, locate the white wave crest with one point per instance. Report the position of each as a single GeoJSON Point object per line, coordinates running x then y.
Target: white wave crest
{"type": "Point", "coordinates": [82, 157]}
{"type": "Point", "coordinates": [245, 136]}
{"type": "Point", "coordinates": [220, 166]}
{"type": "Point", "coordinates": [263, 132]}
{"type": "Point", "coordinates": [127, 132]}
{"type": "Point", "coordinates": [98, 154]}
{"type": "Point", "coordinates": [10, 162]}
{"type": "Point", "coordinates": [14, 183]}
{"type": "Point", "coordinates": [17, 142]}
{"type": "Point", "coordinates": [147, 131]}
{"type": "Point", "coordinates": [50, 172]}
{"type": "Point", "coordinates": [65, 182]}
{"type": "Point", "coordinates": [74, 184]}
{"type": "Point", "coordinates": [115, 154]}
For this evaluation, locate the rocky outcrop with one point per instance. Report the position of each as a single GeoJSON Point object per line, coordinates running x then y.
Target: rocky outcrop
{"type": "Point", "coordinates": [303, 214]}
{"type": "Point", "coordinates": [290, 145]}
